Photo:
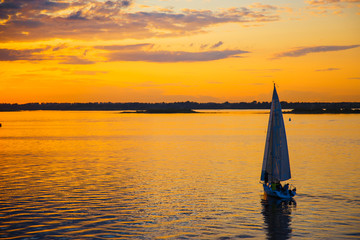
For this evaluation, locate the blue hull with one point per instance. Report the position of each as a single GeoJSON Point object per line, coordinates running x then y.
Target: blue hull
{"type": "Point", "coordinates": [278, 194]}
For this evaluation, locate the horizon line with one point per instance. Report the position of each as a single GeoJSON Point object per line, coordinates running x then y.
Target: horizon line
{"type": "Point", "coordinates": [226, 102]}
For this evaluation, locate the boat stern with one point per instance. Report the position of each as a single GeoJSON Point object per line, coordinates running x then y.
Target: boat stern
{"type": "Point", "coordinates": [283, 193]}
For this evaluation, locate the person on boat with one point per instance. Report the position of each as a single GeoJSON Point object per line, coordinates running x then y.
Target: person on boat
{"type": "Point", "coordinates": [275, 186]}
{"type": "Point", "coordinates": [286, 187]}
{"type": "Point", "coordinates": [266, 177]}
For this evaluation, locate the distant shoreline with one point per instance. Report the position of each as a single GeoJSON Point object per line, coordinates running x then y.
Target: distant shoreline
{"type": "Point", "coordinates": [323, 111]}
{"type": "Point", "coordinates": [160, 111]}
{"type": "Point", "coordinates": [299, 107]}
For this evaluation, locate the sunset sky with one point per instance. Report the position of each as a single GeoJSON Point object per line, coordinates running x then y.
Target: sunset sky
{"type": "Point", "coordinates": [179, 50]}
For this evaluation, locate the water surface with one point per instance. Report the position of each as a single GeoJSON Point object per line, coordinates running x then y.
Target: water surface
{"type": "Point", "coordinates": [105, 175]}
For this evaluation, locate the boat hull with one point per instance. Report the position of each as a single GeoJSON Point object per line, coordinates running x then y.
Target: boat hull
{"type": "Point", "coordinates": [278, 194]}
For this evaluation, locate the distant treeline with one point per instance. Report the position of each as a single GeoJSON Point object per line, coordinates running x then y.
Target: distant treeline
{"type": "Point", "coordinates": [108, 106]}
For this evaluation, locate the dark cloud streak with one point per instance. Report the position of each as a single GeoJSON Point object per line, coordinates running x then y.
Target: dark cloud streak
{"type": "Point", "coordinates": [218, 44]}
{"type": "Point", "coordinates": [76, 16]}
{"type": "Point", "coordinates": [143, 52]}
{"type": "Point", "coordinates": [298, 52]}
{"type": "Point", "coordinates": [16, 55]}
{"type": "Point", "coordinates": [135, 52]}
{"type": "Point", "coordinates": [327, 69]}
{"type": "Point", "coordinates": [39, 54]}
{"type": "Point", "coordinates": [75, 60]}
{"type": "Point", "coordinates": [178, 56]}
{"type": "Point", "coordinates": [125, 47]}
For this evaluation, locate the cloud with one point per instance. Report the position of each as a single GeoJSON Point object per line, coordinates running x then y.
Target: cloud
{"type": "Point", "coordinates": [110, 53]}
{"type": "Point", "coordinates": [203, 46]}
{"type": "Point", "coordinates": [59, 47]}
{"type": "Point", "coordinates": [40, 54]}
{"type": "Point", "coordinates": [76, 16]}
{"type": "Point", "coordinates": [26, 23]}
{"type": "Point", "coordinates": [15, 55]}
{"type": "Point", "coordinates": [144, 52]}
{"type": "Point", "coordinates": [11, 7]}
{"type": "Point", "coordinates": [131, 47]}
{"type": "Point", "coordinates": [96, 19]}
{"type": "Point", "coordinates": [320, 2]}
{"type": "Point", "coordinates": [176, 56]}
{"type": "Point", "coordinates": [218, 44]}
{"type": "Point", "coordinates": [44, 19]}
{"type": "Point", "coordinates": [263, 6]}
{"type": "Point", "coordinates": [332, 6]}
{"type": "Point", "coordinates": [301, 51]}
{"type": "Point", "coordinates": [327, 69]}
{"type": "Point", "coordinates": [75, 60]}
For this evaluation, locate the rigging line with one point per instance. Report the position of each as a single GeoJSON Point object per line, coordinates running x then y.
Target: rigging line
{"type": "Point", "coordinates": [275, 84]}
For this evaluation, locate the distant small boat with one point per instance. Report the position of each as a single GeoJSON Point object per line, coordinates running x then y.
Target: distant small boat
{"type": "Point", "coordinates": [276, 165]}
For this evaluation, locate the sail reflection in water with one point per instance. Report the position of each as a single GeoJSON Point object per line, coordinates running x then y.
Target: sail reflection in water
{"type": "Point", "coordinates": [277, 217]}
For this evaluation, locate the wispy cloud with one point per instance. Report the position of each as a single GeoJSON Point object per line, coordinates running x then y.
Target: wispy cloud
{"type": "Point", "coordinates": [75, 60]}
{"type": "Point", "coordinates": [25, 54]}
{"type": "Point", "coordinates": [327, 69]}
{"type": "Point", "coordinates": [130, 47]}
{"type": "Point", "coordinates": [40, 54]}
{"type": "Point", "coordinates": [110, 53]}
{"type": "Point", "coordinates": [263, 6]}
{"type": "Point", "coordinates": [301, 51]}
{"type": "Point", "coordinates": [144, 52]}
{"type": "Point", "coordinates": [330, 6]}
{"type": "Point", "coordinates": [319, 2]}
{"type": "Point", "coordinates": [173, 56]}
{"type": "Point", "coordinates": [218, 44]}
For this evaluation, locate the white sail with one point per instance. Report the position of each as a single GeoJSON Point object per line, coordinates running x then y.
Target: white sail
{"type": "Point", "coordinates": [276, 166]}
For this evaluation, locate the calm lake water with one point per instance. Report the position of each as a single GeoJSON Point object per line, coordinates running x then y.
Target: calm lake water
{"type": "Point", "coordinates": [106, 175]}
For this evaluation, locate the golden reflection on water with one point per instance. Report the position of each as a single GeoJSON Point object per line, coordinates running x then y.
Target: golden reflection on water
{"type": "Point", "coordinates": [112, 175]}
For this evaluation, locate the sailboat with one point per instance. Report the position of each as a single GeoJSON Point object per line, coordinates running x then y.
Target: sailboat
{"type": "Point", "coordinates": [276, 165]}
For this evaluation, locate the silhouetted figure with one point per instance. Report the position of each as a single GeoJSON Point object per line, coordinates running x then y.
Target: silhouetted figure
{"type": "Point", "coordinates": [286, 187]}
{"type": "Point", "coordinates": [266, 177]}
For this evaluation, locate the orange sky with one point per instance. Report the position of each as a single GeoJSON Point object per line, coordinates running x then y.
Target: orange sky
{"type": "Point", "coordinates": [170, 50]}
